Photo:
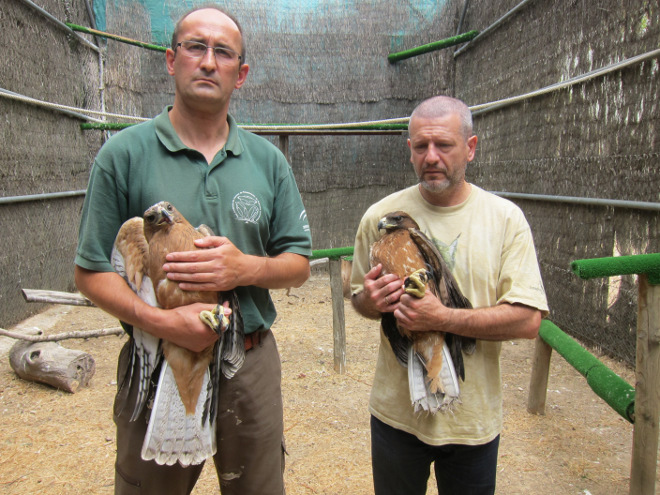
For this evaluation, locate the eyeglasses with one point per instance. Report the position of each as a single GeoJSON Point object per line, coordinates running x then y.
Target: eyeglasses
{"type": "Point", "coordinates": [197, 50]}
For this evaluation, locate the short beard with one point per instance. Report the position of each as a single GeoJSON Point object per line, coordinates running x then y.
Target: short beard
{"type": "Point", "coordinates": [435, 186]}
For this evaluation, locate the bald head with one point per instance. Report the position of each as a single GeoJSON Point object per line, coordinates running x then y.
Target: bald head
{"type": "Point", "coordinates": [442, 106]}
{"type": "Point", "coordinates": [177, 26]}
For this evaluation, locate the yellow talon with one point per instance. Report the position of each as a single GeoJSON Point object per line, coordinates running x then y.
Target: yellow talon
{"type": "Point", "coordinates": [212, 318]}
{"type": "Point", "coordinates": [415, 283]}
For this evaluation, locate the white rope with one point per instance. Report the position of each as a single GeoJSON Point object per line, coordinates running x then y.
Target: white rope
{"type": "Point", "coordinates": [478, 109]}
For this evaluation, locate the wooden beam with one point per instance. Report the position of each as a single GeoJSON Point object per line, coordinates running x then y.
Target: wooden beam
{"type": "Point", "coordinates": [538, 383]}
{"type": "Point", "coordinates": [338, 320]}
{"type": "Point", "coordinates": [647, 390]}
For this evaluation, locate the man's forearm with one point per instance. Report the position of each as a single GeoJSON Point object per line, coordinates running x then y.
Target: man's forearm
{"type": "Point", "coordinates": [279, 272]}
{"type": "Point", "coordinates": [181, 325]}
{"type": "Point", "coordinates": [111, 293]}
{"type": "Point", "coordinates": [501, 322]}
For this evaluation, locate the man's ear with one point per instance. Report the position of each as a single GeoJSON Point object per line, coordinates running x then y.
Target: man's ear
{"type": "Point", "coordinates": [242, 75]}
{"type": "Point", "coordinates": [169, 59]}
{"type": "Point", "coordinates": [472, 145]}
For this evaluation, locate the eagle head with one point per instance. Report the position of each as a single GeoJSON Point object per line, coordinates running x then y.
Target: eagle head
{"type": "Point", "coordinates": [159, 216]}
{"type": "Point", "coordinates": [397, 220]}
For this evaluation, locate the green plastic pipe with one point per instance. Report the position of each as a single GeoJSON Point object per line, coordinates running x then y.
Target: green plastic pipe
{"type": "Point", "coordinates": [609, 386]}
{"type": "Point", "coordinates": [436, 45]}
{"type": "Point", "coordinates": [334, 253]}
{"type": "Point", "coordinates": [115, 37]}
{"type": "Point", "coordinates": [619, 265]}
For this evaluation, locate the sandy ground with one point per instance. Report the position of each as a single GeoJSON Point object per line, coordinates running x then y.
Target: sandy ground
{"type": "Point", "coordinates": [58, 443]}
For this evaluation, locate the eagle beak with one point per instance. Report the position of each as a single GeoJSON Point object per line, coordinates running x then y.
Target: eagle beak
{"type": "Point", "coordinates": [165, 217]}
{"type": "Point", "coordinates": [383, 224]}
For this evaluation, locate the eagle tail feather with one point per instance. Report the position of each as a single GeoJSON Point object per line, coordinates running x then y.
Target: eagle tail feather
{"type": "Point", "coordinates": [147, 352]}
{"type": "Point", "coordinates": [172, 435]}
{"type": "Point", "coordinates": [232, 347]}
{"type": "Point", "coordinates": [446, 395]}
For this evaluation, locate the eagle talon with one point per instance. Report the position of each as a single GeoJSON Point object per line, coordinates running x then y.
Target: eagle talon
{"type": "Point", "coordinates": [415, 283]}
{"type": "Point", "coordinates": [213, 319]}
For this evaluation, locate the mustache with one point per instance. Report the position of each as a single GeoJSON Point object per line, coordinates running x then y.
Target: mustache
{"type": "Point", "coordinates": [434, 169]}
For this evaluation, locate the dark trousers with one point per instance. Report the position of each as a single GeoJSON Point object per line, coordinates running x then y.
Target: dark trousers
{"type": "Point", "coordinates": [250, 439]}
{"type": "Point", "coordinates": [401, 464]}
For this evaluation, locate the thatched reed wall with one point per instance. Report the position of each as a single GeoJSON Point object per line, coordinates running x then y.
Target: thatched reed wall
{"type": "Point", "coordinates": [42, 151]}
{"type": "Point", "coordinates": [598, 139]}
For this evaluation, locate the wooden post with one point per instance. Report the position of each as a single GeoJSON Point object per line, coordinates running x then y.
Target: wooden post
{"type": "Point", "coordinates": [538, 383]}
{"type": "Point", "coordinates": [284, 146]}
{"type": "Point", "coordinates": [647, 390]}
{"type": "Point", "coordinates": [338, 322]}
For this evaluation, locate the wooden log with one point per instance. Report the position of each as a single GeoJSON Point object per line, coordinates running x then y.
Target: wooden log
{"type": "Point", "coordinates": [52, 364]}
{"type": "Point", "coordinates": [538, 383]}
{"type": "Point", "coordinates": [338, 320]}
{"type": "Point", "coordinates": [647, 391]}
{"type": "Point", "coordinates": [55, 297]}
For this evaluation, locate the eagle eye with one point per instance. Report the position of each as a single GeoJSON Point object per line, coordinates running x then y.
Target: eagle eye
{"type": "Point", "coordinates": [169, 207]}
{"type": "Point", "coordinates": [150, 218]}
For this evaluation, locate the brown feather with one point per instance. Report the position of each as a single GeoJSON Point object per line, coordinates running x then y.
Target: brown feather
{"type": "Point", "coordinates": [167, 231]}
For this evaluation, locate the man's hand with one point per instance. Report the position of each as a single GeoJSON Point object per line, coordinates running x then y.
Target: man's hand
{"type": "Point", "coordinates": [217, 266]}
{"type": "Point", "coordinates": [188, 329]}
{"type": "Point", "coordinates": [380, 295]}
{"type": "Point", "coordinates": [425, 314]}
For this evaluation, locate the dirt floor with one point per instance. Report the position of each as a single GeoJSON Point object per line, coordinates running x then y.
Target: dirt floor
{"type": "Point", "coordinates": [59, 443]}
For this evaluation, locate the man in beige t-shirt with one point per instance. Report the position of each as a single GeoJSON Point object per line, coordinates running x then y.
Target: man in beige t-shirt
{"type": "Point", "coordinates": [488, 246]}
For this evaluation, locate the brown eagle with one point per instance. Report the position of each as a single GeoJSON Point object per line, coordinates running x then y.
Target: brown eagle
{"type": "Point", "coordinates": [434, 359]}
{"type": "Point", "coordinates": [182, 421]}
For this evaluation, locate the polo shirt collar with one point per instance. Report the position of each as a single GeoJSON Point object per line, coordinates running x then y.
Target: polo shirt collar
{"type": "Point", "coordinates": [171, 140]}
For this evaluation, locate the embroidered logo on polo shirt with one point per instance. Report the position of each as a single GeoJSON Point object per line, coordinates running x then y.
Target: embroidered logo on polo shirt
{"type": "Point", "coordinates": [246, 207]}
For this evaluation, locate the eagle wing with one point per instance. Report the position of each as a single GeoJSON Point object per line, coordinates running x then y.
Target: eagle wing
{"type": "Point", "coordinates": [128, 259]}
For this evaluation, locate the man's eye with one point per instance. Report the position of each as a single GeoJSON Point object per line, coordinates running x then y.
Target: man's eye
{"type": "Point", "coordinates": [223, 52]}
{"type": "Point", "coordinates": [196, 47]}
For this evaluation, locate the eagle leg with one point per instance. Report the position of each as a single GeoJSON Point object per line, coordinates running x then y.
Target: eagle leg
{"type": "Point", "coordinates": [216, 319]}
{"type": "Point", "coordinates": [415, 283]}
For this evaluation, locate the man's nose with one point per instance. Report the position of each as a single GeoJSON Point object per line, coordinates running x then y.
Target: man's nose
{"type": "Point", "coordinates": [208, 60]}
{"type": "Point", "coordinates": [432, 155]}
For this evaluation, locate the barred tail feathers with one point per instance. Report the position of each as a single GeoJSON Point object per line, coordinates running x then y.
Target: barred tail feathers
{"type": "Point", "coordinates": [172, 435]}
{"type": "Point", "coordinates": [432, 394]}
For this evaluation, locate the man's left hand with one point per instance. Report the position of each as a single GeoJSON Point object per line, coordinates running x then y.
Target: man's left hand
{"type": "Point", "coordinates": [419, 315]}
{"type": "Point", "coordinates": [217, 266]}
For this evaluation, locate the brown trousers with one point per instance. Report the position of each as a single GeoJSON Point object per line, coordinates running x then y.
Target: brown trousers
{"type": "Point", "coordinates": [250, 435]}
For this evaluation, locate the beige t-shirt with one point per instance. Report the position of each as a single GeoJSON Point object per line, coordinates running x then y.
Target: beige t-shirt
{"type": "Point", "coordinates": [487, 244]}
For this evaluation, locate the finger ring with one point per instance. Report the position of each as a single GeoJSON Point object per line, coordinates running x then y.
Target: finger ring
{"type": "Point", "coordinates": [387, 301]}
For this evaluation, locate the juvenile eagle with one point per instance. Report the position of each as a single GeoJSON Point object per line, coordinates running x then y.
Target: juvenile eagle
{"type": "Point", "coordinates": [182, 421]}
{"type": "Point", "coordinates": [434, 359]}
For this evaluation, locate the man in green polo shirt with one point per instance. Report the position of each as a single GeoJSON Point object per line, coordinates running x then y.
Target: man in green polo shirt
{"type": "Point", "coordinates": [194, 156]}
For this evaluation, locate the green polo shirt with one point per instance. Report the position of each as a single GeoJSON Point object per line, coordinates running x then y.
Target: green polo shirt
{"type": "Point", "coordinates": [247, 194]}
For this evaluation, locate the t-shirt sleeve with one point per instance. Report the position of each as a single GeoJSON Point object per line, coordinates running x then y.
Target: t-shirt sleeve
{"type": "Point", "coordinates": [100, 221]}
{"type": "Point", "coordinates": [290, 231]}
{"type": "Point", "coordinates": [366, 235]}
{"type": "Point", "coordinates": [520, 278]}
